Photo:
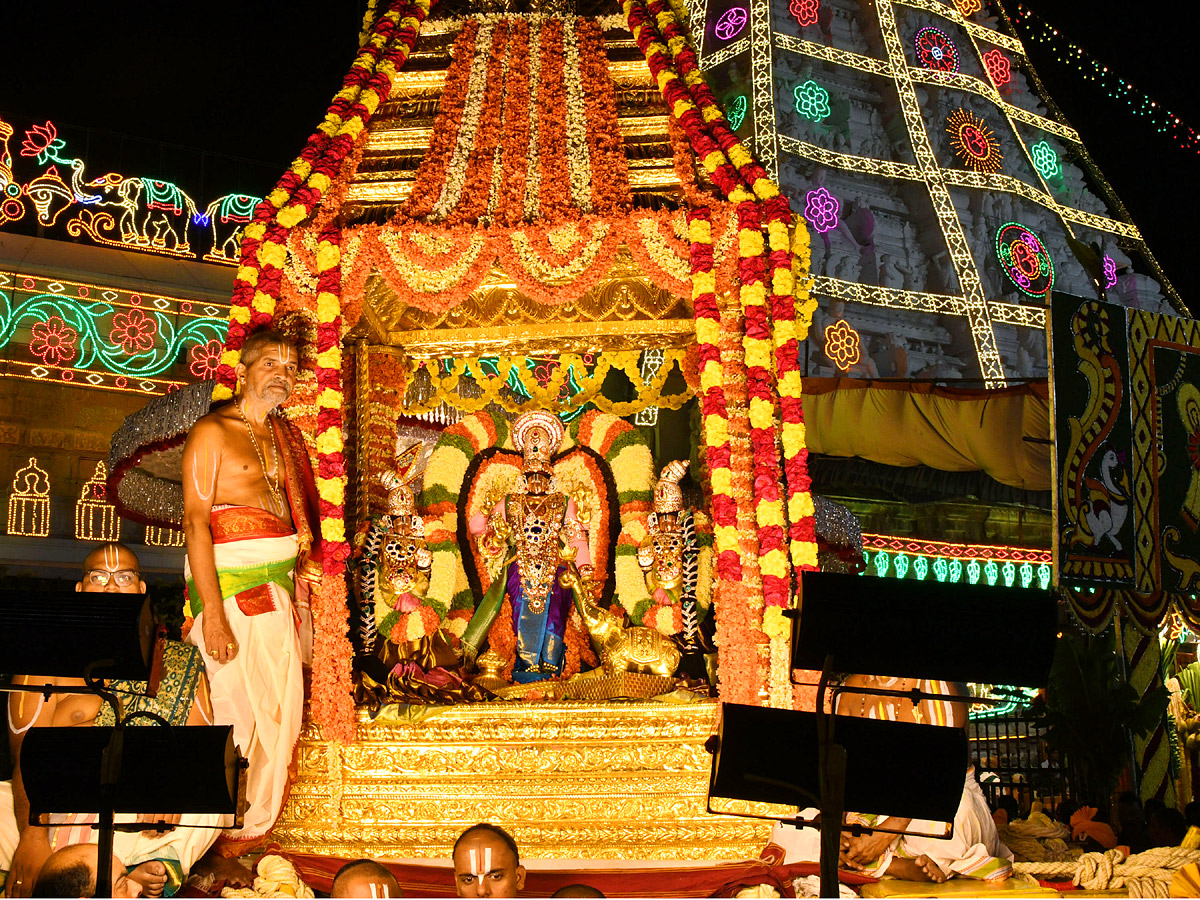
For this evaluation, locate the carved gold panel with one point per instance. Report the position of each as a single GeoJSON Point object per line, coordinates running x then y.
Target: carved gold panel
{"type": "Point", "coordinates": [570, 780]}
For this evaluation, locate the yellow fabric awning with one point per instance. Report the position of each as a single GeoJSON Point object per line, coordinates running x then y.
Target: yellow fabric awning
{"type": "Point", "coordinates": [951, 429]}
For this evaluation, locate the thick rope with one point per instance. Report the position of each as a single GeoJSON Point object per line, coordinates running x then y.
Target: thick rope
{"type": "Point", "coordinates": [1146, 874]}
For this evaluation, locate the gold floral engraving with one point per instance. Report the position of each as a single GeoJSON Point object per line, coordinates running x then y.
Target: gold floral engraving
{"type": "Point", "coordinates": [570, 780]}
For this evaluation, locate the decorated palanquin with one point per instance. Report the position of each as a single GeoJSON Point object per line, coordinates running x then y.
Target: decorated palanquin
{"type": "Point", "coordinates": [530, 243]}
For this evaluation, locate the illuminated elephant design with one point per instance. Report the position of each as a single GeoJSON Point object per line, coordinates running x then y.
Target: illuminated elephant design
{"type": "Point", "coordinates": [226, 217]}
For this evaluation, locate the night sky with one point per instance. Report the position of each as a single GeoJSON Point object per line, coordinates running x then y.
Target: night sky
{"type": "Point", "coordinates": [251, 79]}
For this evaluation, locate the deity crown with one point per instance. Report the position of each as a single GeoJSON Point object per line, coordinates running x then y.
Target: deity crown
{"type": "Point", "coordinates": [537, 435]}
{"type": "Point", "coordinates": [668, 496]}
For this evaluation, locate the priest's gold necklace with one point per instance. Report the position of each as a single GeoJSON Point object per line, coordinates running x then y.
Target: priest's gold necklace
{"type": "Point", "coordinates": [272, 485]}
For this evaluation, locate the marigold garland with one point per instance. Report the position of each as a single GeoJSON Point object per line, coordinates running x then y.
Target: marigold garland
{"type": "Point", "coordinates": [737, 174]}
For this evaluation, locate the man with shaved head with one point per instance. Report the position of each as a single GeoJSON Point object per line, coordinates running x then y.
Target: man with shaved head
{"type": "Point", "coordinates": [160, 860]}
{"type": "Point", "coordinates": [487, 863]}
{"type": "Point", "coordinates": [71, 872]}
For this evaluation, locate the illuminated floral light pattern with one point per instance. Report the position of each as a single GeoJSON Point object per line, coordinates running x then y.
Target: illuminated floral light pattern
{"type": "Point", "coordinates": [805, 11]}
{"type": "Point", "coordinates": [133, 332]}
{"type": "Point", "coordinates": [812, 101]}
{"type": "Point", "coordinates": [999, 67]}
{"type": "Point", "coordinates": [204, 359]}
{"type": "Point", "coordinates": [1045, 160]}
{"type": "Point", "coordinates": [731, 23]}
{"type": "Point", "coordinates": [1025, 260]}
{"type": "Point", "coordinates": [737, 111]}
{"type": "Point", "coordinates": [53, 341]}
{"type": "Point", "coordinates": [973, 142]}
{"type": "Point", "coordinates": [843, 346]}
{"type": "Point", "coordinates": [821, 209]}
{"type": "Point", "coordinates": [936, 51]}
{"type": "Point", "coordinates": [968, 7]}
{"type": "Point", "coordinates": [1110, 273]}
{"type": "Point", "coordinates": [70, 333]}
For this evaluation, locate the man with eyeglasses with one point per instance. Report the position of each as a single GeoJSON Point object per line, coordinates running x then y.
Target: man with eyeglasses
{"type": "Point", "coordinates": [158, 860]}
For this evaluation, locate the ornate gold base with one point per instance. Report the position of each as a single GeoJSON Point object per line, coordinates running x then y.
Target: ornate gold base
{"type": "Point", "coordinates": [570, 780]}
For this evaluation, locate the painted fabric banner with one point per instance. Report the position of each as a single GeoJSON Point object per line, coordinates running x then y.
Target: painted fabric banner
{"type": "Point", "coordinates": [1127, 437]}
{"type": "Point", "coordinates": [1093, 441]}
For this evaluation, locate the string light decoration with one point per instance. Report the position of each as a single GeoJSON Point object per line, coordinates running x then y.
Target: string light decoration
{"type": "Point", "coordinates": [1025, 260]}
{"type": "Point", "coordinates": [652, 361]}
{"type": "Point", "coordinates": [935, 50]}
{"type": "Point", "coordinates": [1068, 53]}
{"type": "Point", "coordinates": [96, 336]}
{"type": "Point", "coordinates": [1110, 273]}
{"type": "Point", "coordinates": [999, 67]}
{"type": "Point", "coordinates": [889, 556]}
{"type": "Point", "coordinates": [805, 12]}
{"type": "Point", "coordinates": [731, 23]}
{"type": "Point", "coordinates": [812, 101]}
{"type": "Point", "coordinates": [96, 518]}
{"type": "Point", "coordinates": [29, 502]}
{"type": "Point", "coordinates": [1045, 160]}
{"type": "Point", "coordinates": [968, 7]}
{"type": "Point", "coordinates": [737, 111]}
{"type": "Point", "coordinates": [156, 536]}
{"type": "Point", "coordinates": [843, 345]}
{"type": "Point", "coordinates": [973, 142]}
{"type": "Point", "coordinates": [114, 210]}
{"type": "Point", "coordinates": [821, 209]}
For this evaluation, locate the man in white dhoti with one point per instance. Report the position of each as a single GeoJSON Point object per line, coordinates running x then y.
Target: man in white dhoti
{"type": "Point", "coordinates": [973, 851]}
{"type": "Point", "coordinates": [249, 514]}
{"type": "Point", "coordinates": [159, 860]}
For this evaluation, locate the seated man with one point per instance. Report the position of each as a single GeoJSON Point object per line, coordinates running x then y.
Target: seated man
{"type": "Point", "coordinates": [974, 850]}
{"type": "Point", "coordinates": [71, 872]}
{"type": "Point", "coordinates": [365, 878]}
{"type": "Point", "coordinates": [160, 859]}
{"type": "Point", "coordinates": [487, 863]}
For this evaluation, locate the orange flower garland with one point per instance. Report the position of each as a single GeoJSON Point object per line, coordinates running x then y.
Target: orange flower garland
{"type": "Point", "coordinates": [727, 158]}
{"type": "Point", "coordinates": [435, 164]}
{"type": "Point", "coordinates": [610, 171]}
{"type": "Point", "coordinates": [510, 206]}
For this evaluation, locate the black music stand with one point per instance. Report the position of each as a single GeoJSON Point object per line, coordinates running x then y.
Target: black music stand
{"type": "Point", "coordinates": [888, 627]}
{"type": "Point", "coordinates": [116, 769]}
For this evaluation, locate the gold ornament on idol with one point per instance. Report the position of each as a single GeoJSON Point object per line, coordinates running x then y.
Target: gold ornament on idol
{"type": "Point", "coordinates": [272, 484]}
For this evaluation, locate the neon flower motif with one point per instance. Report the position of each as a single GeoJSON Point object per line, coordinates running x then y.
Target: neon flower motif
{"type": "Point", "coordinates": [205, 359]}
{"type": "Point", "coordinates": [805, 11]}
{"type": "Point", "coordinates": [53, 341]}
{"type": "Point", "coordinates": [821, 209]}
{"type": "Point", "coordinates": [730, 24]}
{"type": "Point", "coordinates": [43, 142]}
{"type": "Point", "coordinates": [936, 51]}
{"type": "Point", "coordinates": [843, 346]}
{"type": "Point", "coordinates": [999, 66]}
{"type": "Point", "coordinates": [1110, 272]}
{"type": "Point", "coordinates": [812, 101]}
{"type": "Point", "coordinates": [133, 331]}
{"type": "Point", "coordinates": [737, 111]}
{"type": "Point", "coordinates": [1045, 160]}
{"type": "Point", "coordinates": [968, 7]}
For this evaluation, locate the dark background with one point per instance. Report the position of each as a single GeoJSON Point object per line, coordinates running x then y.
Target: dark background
{"type": "Point", "coordinates": [250, 80]}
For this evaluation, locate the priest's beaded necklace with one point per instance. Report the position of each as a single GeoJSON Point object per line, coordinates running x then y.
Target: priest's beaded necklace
{"type": "Point", "coordinates": [272, 484]}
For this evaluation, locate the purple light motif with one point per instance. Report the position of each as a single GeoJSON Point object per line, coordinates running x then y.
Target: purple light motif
{"type": "Point", "coordinates": [1110, 272]}
{"type": "Point", "coordinates": [821, 209]}
{"type": "Point", "coordinates": [731, 23]}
